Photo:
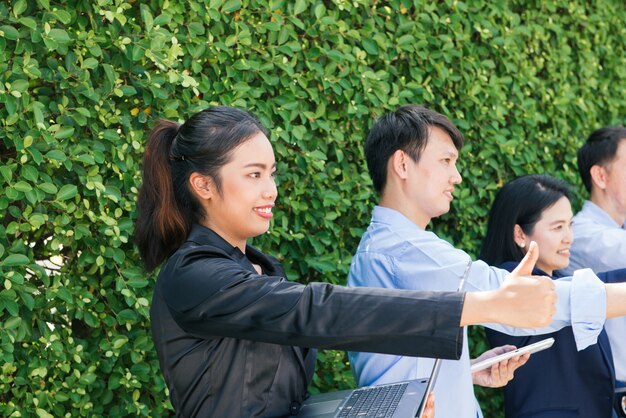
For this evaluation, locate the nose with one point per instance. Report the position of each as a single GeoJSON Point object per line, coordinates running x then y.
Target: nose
{"type": "Point", "coordinates": [271, 191]}
{"type": "Point", "coordinates": [456, 176]}
{"type": "Point", "coordinates": [568, 235]}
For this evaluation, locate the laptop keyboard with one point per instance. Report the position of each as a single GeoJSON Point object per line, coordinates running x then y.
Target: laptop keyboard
{"type": "Point", "coordinates": [375, 402]}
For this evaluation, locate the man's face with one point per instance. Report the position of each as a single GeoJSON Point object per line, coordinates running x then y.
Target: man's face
{"type": "Point", "coordinates": [432, 179]}
{"type": "Point", "coordinates": [616, 179]}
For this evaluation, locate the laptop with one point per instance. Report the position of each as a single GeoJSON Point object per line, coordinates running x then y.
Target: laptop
{"type": "Point", "coordinates": [394, 400]}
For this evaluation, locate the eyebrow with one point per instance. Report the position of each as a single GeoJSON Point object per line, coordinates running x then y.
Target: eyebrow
{"type": "Point", "coordinates": [259, 165]}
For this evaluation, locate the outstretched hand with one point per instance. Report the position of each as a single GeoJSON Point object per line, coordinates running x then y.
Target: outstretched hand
{"type": "Point", "coordinates": [527, 301]}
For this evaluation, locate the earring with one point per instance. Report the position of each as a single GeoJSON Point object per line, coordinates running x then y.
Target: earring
{"type": "Point", "coordinates": [522, 244]}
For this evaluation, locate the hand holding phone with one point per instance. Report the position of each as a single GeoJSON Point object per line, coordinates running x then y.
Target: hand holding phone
{"type": "Point", "coordinates": [531, 348]}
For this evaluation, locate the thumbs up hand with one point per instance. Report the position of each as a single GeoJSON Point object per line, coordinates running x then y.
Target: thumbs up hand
{"type": "Point", "coordinates": [527, 301]}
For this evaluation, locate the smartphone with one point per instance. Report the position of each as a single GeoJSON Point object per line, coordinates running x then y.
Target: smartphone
{"type": "Point", "coordinates": [531, 348]}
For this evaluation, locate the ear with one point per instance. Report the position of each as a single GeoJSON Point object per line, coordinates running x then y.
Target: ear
{"type": "Point", "coordinates": [398, 164]}
{"type": "Point", "coordinates": [519, 236]}
{"type": "Point", "coordinates": [201, 185]}
{"type": "Point", "coordinates": [598, 176]}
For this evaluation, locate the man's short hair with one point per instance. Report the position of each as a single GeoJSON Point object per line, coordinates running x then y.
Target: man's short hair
{"type": "Point", "coordinates": [600, 149]}
{"type": "Point", "coordinates": [406, 129]}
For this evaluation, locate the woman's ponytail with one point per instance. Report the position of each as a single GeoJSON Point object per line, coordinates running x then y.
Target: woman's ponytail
{"type": "Point", "coordinates": [161, 225]}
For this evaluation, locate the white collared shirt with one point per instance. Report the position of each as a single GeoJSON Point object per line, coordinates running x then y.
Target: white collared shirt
{"type": "Point", "coordinates": [396, 253]}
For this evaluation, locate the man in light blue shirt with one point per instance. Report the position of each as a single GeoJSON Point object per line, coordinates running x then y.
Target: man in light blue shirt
{"type": "Point", "coordinates": [600, 227]}
{"type": "Point", "coordinates": [411, 156]}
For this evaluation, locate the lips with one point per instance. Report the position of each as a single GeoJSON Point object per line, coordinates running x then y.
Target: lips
{"type": "Point", "coordinates": [448, 193]}
{"type": "Point", "coordinates": [264, 211]}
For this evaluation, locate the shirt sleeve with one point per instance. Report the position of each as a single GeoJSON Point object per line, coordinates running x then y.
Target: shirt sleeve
{"type": "Point", "coordinates": [434, 264]}
{"type": "Point", "coordinates": [217, 297]}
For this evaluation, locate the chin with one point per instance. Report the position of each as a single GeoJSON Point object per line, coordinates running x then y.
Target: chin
{"type": "Point", "coordinates": [259, 231]}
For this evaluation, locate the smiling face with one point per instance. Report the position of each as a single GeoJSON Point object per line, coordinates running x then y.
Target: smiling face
{"type": "Point", "coordinates": [553, 234]}
{"type": "Point", "coordinates": [431, 180]}
{"type": "Point", "coordinates": [243, 209]}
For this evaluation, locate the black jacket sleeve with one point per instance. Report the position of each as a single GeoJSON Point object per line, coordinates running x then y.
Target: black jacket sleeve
{"type": "Point", "coordinates": [211, 295]}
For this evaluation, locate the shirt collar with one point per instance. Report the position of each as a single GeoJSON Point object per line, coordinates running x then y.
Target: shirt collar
{"type": "Point", "coordinates": [599, 215]}
{"type": "Point", "coordinates": [205, 236]}
{"type": "Point", "coordinates": [392, 217]}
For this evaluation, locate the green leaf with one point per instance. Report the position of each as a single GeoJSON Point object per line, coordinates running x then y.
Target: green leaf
{"type": "Point", "coordinates": [6, 173]}
{"type": "Point", "coordinates": [90, 63]}
{"type": "Point", "coordinates": [59, 35]}
{"type": "Point", "coordinates": [68, 191]}
{"type": "Point", "coordinates": [42, 413]}
{"type": "Point", "coordinates": [38, 114]}
{"type": "Point", "coordinates": [65, 295]}
{"type": "Point", "coordinates": [138, 282]}
{"type": "Point", "coordinates": [30, 173]}
{"type": "Point", "coordinates": [110, 73]}
{"type": "Point", "coordinates": [29, 22]}
{"type": "Point", "coordinates": [20, 85]}
{"type": "Point", "coordinates": [14, 260]}
{"type": "Point", "coordinates": [64, 132]}
{"type": "Point", "coordinates": [48, 188]}
{"type": "Point", "coordinates": [231, 6]}
{"type": "Point", "coordinates": [9, 32]}
{"type": "Point", "coordinates": [18, 7]}
{"type": "Point", "coordinates": [12, 323]}
{"type": "Point", "coordinates": [162, 19]}
{"type": "Point", "coordinates": [119, 342]}
{"type": "Point", "coordinates": [57, 155]}
{"type": "Point", "coordinates": [63, 16]}
{"type": "Point", "coordinates": [22, 186]}
{"type": "Point", "coordinates": [299, 7]}
{"type": "Point", "coordinates": [146, 16]}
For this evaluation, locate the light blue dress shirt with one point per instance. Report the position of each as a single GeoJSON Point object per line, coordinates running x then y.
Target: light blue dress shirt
{"type": "Point", "coordinates": [396, 253]}
{"type": "Point", "coordinates": [600, 244]}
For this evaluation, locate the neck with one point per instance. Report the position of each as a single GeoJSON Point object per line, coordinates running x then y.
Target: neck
{"type": "Point", "coordinates": [235, 242]}
{"type": "Point", "coordinates": [607, 204]}
{"type": "Point", "coordinates": [396, 202]}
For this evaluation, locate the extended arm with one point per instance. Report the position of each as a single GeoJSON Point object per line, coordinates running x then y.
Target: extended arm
{"type": "Point", "coordinates": [615, 300]}
{"type": "Point", "coordinates": [220, 298]}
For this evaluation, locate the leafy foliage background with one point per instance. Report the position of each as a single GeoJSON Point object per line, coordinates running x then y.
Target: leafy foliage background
{"type": "Point", "coordinates": [82, 82]}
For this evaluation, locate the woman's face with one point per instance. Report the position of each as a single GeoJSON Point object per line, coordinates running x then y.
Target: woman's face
{"type": "Point", "coordinates": [553, 234]}
{"type": "Point", "coordinates": [244, 208]}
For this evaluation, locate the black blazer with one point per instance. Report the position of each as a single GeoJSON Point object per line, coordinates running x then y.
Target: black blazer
{"type": "Point", "coordinates": [235, 343]}
{"type": "Point", "coordinates": [561, 382]}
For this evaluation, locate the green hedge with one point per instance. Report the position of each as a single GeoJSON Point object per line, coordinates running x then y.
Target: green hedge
{"type": "Point", "coordinates": [81, 85]}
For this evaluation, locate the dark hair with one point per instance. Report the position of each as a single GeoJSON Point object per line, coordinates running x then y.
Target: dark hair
{"type": "Point", "coordinates": [600, 148]}
{"type": "Point", "coordinates": [405, 129]}
{"type": "Point", "coordinates": [521, 202]}
{"type": "Point", "coordinates": [166, 206]}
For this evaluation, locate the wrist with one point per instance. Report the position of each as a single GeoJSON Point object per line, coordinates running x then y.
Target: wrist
{"type": "Point", "coordinates": [480, 307]}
